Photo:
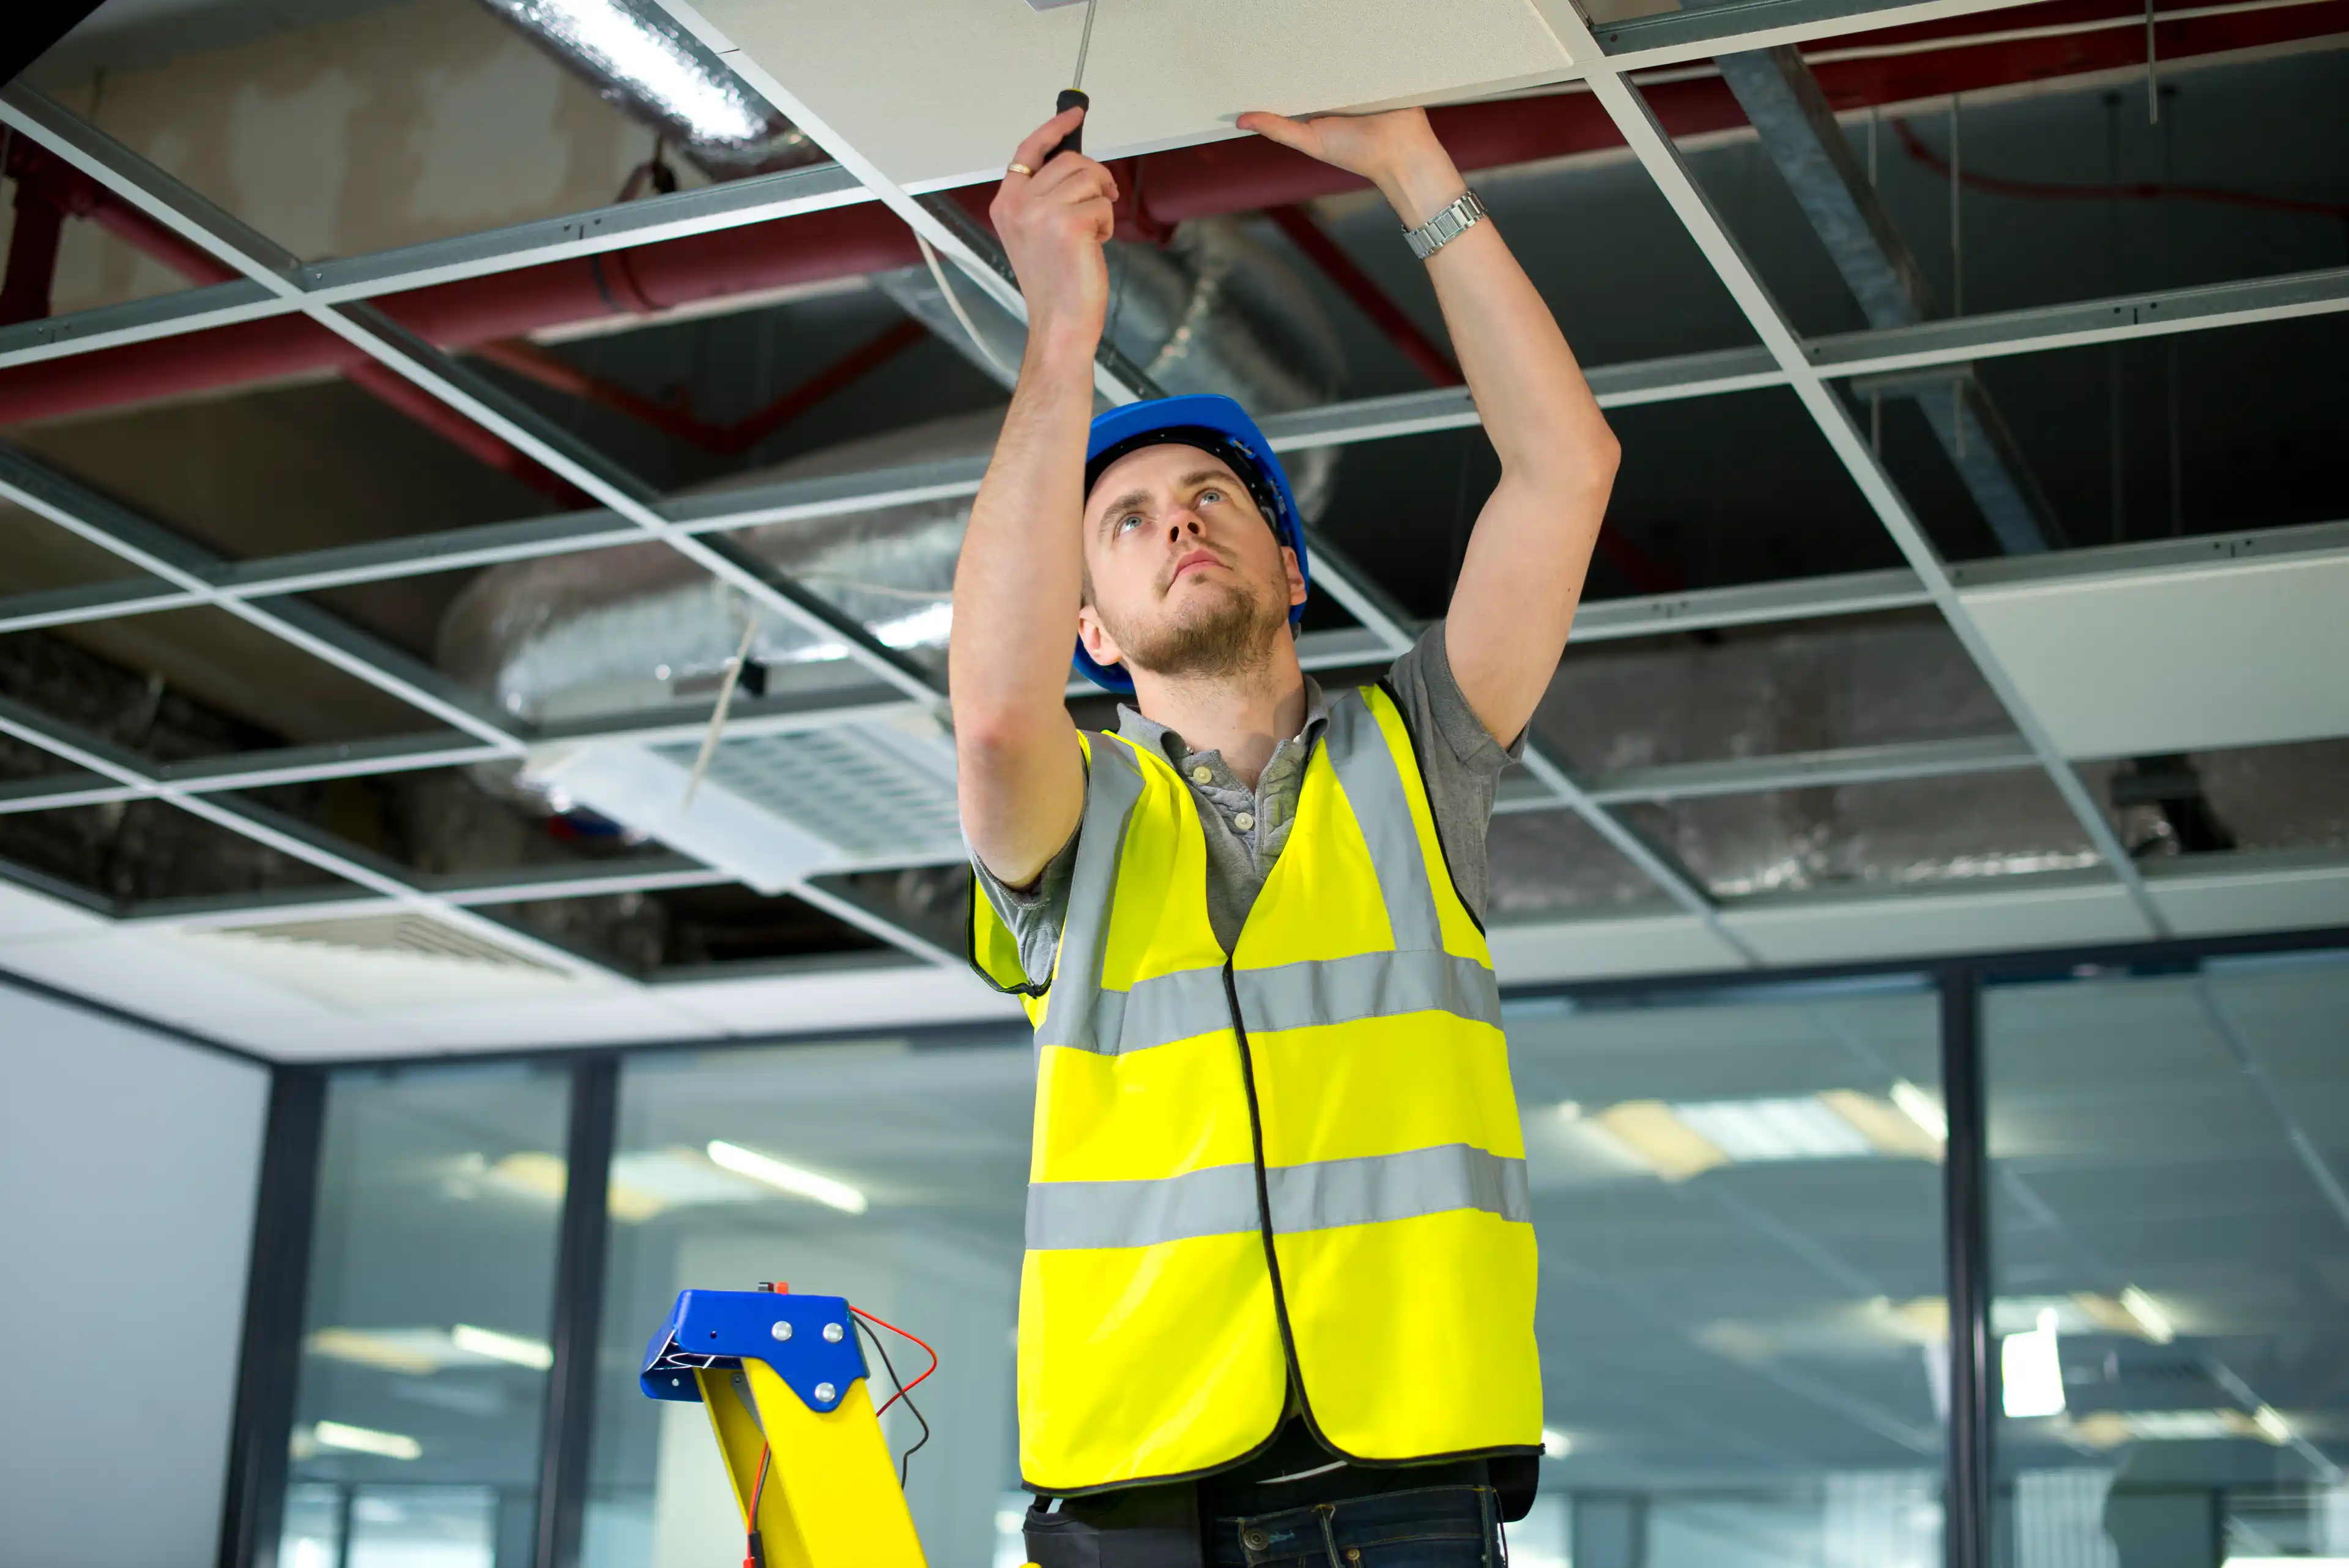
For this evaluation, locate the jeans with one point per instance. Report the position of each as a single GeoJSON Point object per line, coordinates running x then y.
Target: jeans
{"type": "Point", "coordinates": [1432, 1527]}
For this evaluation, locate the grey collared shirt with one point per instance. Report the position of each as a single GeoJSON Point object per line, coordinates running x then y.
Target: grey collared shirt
{"type": "Point", "coordinates": [1245, 829]}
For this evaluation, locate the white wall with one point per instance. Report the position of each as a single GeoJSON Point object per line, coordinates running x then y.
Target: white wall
{"type": "Point", "coordinates": [128, 1163]}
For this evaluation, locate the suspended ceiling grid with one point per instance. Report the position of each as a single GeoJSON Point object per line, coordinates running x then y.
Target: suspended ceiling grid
{"type": "Point", "coordinates": [89, 951]}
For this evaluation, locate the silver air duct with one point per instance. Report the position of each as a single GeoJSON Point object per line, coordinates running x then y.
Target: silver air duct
{"type": "Point", "coordinates": [639, 627]}
{"type": "Point", "coordinates": [635, 628]}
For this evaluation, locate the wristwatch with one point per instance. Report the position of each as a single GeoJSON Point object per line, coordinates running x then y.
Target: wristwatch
{"type": "Point", "coordinates": [1463, 215]}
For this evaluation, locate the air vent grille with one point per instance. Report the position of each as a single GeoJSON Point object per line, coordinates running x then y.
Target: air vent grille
{"type": "Point", "coordinates": [868, 791]}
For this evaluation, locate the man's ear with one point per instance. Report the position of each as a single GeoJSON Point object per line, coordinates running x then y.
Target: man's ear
{"type": "Point", "coordinates": [1099, 644]}
{"type": "Point", "coordinates": [1296, 594]}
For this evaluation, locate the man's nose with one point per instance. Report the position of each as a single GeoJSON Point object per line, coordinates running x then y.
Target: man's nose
{"type": "Point", "coordinates": [1184, 522]}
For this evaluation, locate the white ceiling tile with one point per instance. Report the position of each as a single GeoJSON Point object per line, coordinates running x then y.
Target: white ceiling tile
{"type": "Point", "coordinates": [939, 92]}
{"type": "Point", "coordinates": [26, 916]}
{"type": "Point", "coordinates": [2211, 902]}
{"type": "Point", "coordinates": [907, 995]}
{"type": "Point", "coordinates": [2235, 654]}
{"type": "Point", "coordinates": [1926, 925]}
{"type": "Point", "coordinates": [1596, 950]}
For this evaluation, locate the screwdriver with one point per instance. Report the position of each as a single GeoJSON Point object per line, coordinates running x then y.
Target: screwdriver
{"type": "Point", "coordinates": [1073, 94]}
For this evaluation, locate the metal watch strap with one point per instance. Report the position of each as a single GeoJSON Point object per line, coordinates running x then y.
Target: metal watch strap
{"type": "Point", "coordinates": [1464, 213]}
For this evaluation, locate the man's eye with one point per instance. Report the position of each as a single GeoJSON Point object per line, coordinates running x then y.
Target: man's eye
{"type": "Point", "coordinates": [1131, 519]}
{"type": "Point", "coordinates": [1208, 495]}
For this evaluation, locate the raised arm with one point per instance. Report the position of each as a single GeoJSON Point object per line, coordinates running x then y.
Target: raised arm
{"type": "Point", "coordinates": [1020, 576]}
{"type": "Point", "coordinates": [1527, 560]}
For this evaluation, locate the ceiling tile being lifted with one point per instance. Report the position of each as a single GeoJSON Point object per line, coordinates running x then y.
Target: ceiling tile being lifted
{"type": "Point", "coordinates": [958, 83]}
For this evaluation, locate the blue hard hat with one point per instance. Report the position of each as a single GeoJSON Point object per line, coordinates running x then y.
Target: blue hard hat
{"type": "Point", "coordinates": [1214, 424]}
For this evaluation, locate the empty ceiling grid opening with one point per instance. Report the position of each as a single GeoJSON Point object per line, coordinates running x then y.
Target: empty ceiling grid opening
{"type": "Point", "coordinates": [417, 421]}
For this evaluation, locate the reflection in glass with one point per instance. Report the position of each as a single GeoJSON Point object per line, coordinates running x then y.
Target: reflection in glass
{"type": "Point", "coordinates": [2171, 1255]}
{"type": "Point", "coordinates": [426, 1325]}
{"type": "Point", "coordinates": [1743, 1332]}
{"type": "Point", "coordinates": [892, 1174]}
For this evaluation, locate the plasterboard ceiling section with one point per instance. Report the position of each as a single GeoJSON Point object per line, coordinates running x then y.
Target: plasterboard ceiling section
{"type": "Point", "coordinates": [2225, 655]}
{"type": "Point", "coordinates": [960, 82]}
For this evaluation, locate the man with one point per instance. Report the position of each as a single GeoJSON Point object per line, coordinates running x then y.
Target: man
{"type": "Point", "coordinates": [1279, 1290]}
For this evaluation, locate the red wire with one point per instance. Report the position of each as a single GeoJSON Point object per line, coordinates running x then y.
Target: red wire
{"type": "Point", "coordinates": [892, 1328]}
{"type": "Point", "coordinates": [2141, 190]}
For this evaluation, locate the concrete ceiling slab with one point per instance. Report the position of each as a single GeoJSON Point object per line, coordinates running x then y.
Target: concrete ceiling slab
{"type": "Point", "coordinates": [939, 92]}
{"type": "Point", "coordinates": [2230, 654]}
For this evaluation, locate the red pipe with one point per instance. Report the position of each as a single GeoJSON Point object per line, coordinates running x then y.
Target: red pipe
{"type": "Point", "coordinates": [1159, 190]}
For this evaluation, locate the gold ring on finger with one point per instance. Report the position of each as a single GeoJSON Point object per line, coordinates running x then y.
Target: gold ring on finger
{"type": "Point", "coordinates": [1018, 168]}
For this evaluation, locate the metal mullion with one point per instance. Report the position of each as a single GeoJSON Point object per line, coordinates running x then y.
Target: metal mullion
{"type": "Point", "coordinates": [57, 795]}
{"type": "Point", "coordinates": [567, 1431]}
{"type": "Point", "coordinates": [519, 885]}
{"type": "Point", "coordinates": [309, 765]}
{"type": "Point", "coordinates": [277, 1277]}
{"type": "Point", "coordinates": [1661, 160]}
{"type": "Point", "coordinates": [423, 555]}
{"type": "Point", "coordinates": [1965, 1187]}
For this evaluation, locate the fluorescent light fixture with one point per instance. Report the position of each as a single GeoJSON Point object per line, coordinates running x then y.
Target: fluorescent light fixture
{"type": "Point", "coordinates": [2147, 1314]}
{"type": "Point", "coordinates": [366, 1440]}
{"type": "Point", "coordinates": [649, 1182]}
{"type": "Point", "coordinates": [1888, 1131]}
{"type": "Point", "coordinates": [624, 44]}
{"type": "Point", "coordinates": [2031, 1372]}
{"type": "Point", "coordinates": [416, 1351]}
{"type": "Point", "coordinates": [1570, 1110]}
{"type": "Point", "coordinates": [1923, 1109]}
{"type": "Point", "coordinates": [529, 1173]}
{"type": "Point", "coordinates": [926, 628]}
{"type": "Point", "coordinates": [1661, 1139]}
{"type": "Point", "coordinates": [2271, 1426]}
{"type": "Point", "coordinates": [794, 1180]}
{"type": "Point", "coordinates": [1556, 1444]}
{"type": "Point", "coordinates": [508, 1347]}
{"type": "Point", "coordinates": [2111, 1429]}
{"type": "Point", "coordinates": [1779, 1129]}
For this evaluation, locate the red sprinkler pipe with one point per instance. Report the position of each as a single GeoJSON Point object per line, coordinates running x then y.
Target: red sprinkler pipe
{"type": "Point", "coordinates": [1159, 191]}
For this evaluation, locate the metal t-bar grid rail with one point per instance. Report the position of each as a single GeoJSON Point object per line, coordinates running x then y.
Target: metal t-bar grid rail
{"type": "Point", "coordinates": [1657, 154]}
{"type": "Point", "coordinates": [635, 513]}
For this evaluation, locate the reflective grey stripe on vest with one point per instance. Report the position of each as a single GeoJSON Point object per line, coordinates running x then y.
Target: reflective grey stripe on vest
{"type": "Point", "coordinates": [1221, 1200]}
{"type": "Point", "coordinates": [1418, 977]}
{"type": "Point", "coordinates": [1374, 788]}
{"type": "Point", "coordinates": [1112, 788]}
{"type": "Point", "coordinates": [1190, 1003]}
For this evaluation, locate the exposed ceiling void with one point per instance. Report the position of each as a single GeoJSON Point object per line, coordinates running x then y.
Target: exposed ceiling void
{"type": "Point", "coordinates": [678, 932]}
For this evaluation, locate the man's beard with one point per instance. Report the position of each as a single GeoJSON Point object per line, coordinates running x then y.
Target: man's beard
{"type": "Point", "coordinates": [1221, 634]}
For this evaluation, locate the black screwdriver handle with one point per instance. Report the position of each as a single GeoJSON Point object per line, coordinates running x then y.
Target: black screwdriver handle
{"type": "Point", "coordinates": [1071, 98]}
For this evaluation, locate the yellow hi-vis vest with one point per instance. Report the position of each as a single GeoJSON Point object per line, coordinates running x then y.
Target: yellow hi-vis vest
{"type": "Point", "coordinates": [1300, 1162]}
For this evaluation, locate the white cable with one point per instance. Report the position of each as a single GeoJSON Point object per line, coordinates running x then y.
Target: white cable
{"type": "Point", "coordinates": [955, 305]}
{"type": "Point", "coordinates": [718, 715]}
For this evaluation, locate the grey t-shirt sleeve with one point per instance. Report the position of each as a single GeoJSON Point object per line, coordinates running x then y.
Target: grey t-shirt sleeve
{"type": "Point", "coordinates": [1460, 759]}
{"type": "Point", "coordinates": [1034, 912]}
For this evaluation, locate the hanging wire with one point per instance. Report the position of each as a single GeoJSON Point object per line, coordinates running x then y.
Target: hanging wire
{"type": "Point", "coordinates": [718, 715]}
{"type": "Point", "coordinates": [953, 303]}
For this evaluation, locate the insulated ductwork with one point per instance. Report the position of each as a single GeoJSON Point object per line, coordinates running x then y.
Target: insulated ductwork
{"type": "Point", "coordinates": [630, 629]}
{"type": "Point", "coordinates": [638, 627]}
{"type": "Point", "coordinates": [641, 62]}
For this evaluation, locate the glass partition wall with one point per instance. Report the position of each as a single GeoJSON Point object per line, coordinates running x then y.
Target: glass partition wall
{"type": "Point", "coordinates": [426, 1328]}
{"type": "Point", "coordinates": [1741, 1192]}
{"type": "Point", "coordinates": [2171, 1262]}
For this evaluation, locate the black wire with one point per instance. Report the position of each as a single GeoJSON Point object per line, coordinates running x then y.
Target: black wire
{"type": "Point", "coordinates": [905, 1464]}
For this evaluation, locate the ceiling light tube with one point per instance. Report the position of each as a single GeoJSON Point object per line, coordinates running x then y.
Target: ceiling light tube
{"type": "Point", "coordinates": [534, 1354]}
{"type": "Point", "coordinates": [2148, 1315]}
{"type": "Point", "coordinates": [367, 1440]}
{"type": "Point", "coordinates": [2272, 1425]}
{"type": "Point", "coordinates": [1922, 1108]}
{"type": "Point", "coordinates": [794, 1180]}
{"type": "Point", "coordinates": [2030, 1371]}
